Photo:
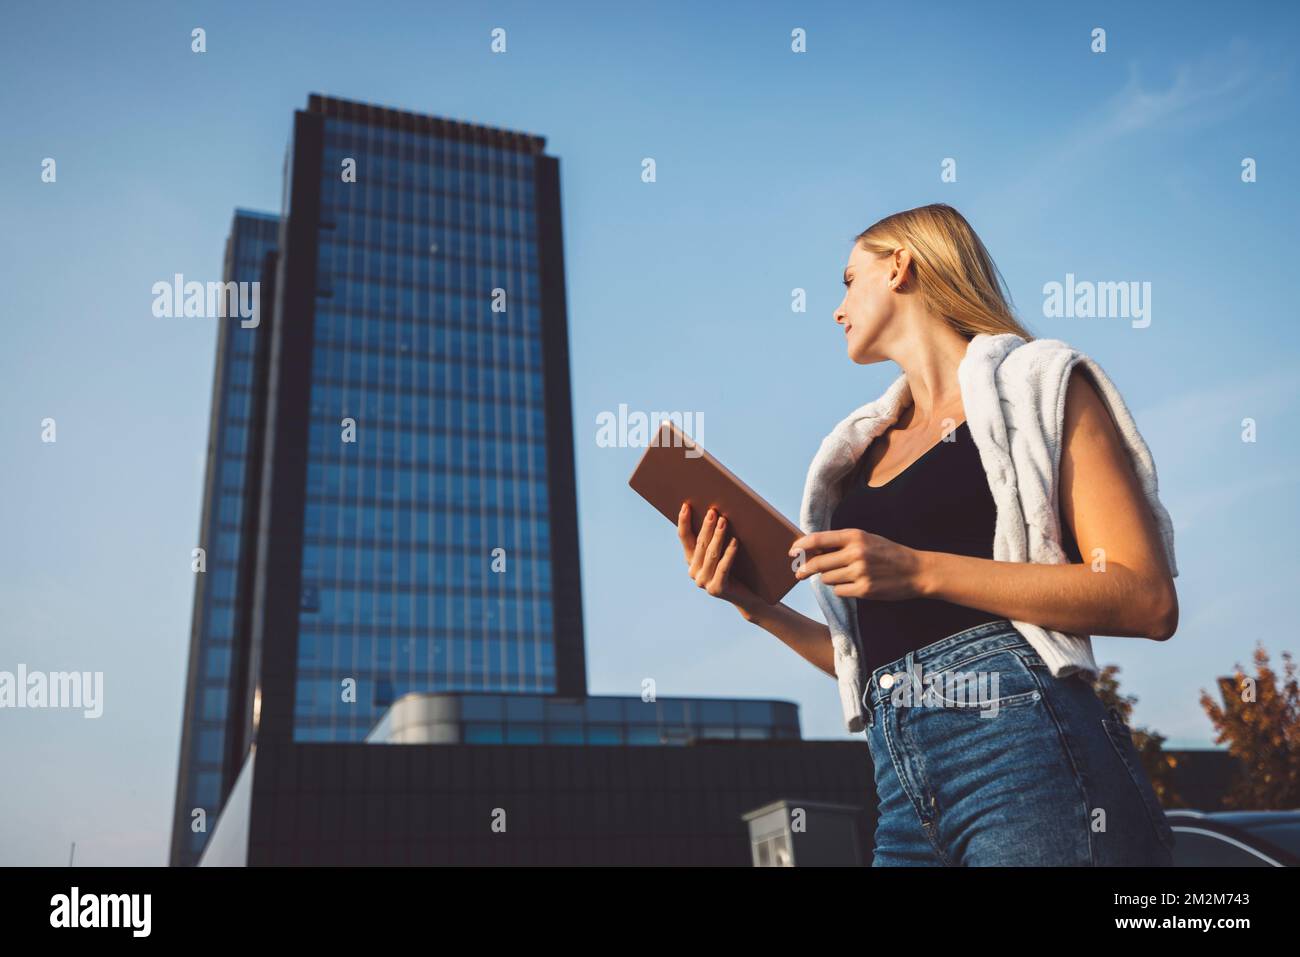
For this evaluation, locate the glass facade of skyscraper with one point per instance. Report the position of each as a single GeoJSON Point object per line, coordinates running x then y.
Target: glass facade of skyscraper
{"type": "Point", "coordinates": [595, 720]}
{"type": "Point", "coordinates": [426, 542]}
{"type": "Point", "coordinates": [203, 760]}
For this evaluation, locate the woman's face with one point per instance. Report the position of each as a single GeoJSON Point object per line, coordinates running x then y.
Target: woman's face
{"type": "Point", "coordinates": [868, 304]}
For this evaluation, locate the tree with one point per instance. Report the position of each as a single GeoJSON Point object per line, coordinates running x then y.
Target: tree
{"type": "Point", "coordinates": [1159, 766]}
{"type": "Point", "coordinates": [1260, 721]}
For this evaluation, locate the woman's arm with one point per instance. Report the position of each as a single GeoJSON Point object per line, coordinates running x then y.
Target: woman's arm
{"type": "Point", "coordinates": [709, 557]}
{"type": "Point", "coordinates": [810, 639]}
{"type": "Point", "coordinates": [1124, 588]}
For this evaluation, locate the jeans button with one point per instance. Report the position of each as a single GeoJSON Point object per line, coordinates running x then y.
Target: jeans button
{"type": "Point", "coordinates": [886, 681]}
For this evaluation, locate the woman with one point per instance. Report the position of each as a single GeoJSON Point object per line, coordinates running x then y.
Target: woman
{"type": "Point", "coordinates": [947, 524]}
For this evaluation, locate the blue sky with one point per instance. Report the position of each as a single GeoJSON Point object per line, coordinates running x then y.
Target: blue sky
{"type": "Point", "coordinates": [1122, 166]}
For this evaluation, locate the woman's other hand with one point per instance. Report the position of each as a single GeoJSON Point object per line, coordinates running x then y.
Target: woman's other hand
{"type": "Point", "coordinates": [862, 565]}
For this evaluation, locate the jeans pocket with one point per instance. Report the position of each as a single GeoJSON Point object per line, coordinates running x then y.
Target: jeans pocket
{"type": "Point", "coordinates": [986, 683]}
{"type": "Point", "coordinates": [1122, 740]}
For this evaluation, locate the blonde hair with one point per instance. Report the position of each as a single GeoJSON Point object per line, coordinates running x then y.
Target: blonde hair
{"type": "Point", "coordinates": [951, 270]}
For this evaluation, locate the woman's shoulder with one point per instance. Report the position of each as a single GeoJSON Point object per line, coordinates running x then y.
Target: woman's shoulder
{"type": "Point", "coordinates": [1053, 385]}
{"type": "Point", "coordinates": [1035, 354]}
{"type": "Point", "coordinates": [1057, 367]}
{"type": "Point", "coordinates": [1039, 371]}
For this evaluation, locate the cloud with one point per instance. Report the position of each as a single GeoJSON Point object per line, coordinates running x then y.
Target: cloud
{"type": "Point", "coordinates": [1201, 92]}
{"type": "Point", "coordinates": [1229, 400]}
{"type": "Point", "coordinates": [1209, 90]}
{"type": "Point", "coordinates": [1185, 424]}
{"type": "Point", "coordinates": [1220, 496]}
{"type": "Point", "coordinates": [1188, 429]}
{"type": "Point", "coordinates": [1219, 612]}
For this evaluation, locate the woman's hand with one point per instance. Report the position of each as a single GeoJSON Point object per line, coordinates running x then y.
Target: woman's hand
{"type": "Point", "coordinates": [709, 557]}
{"type": "Point", "coordinates": [862, 565]}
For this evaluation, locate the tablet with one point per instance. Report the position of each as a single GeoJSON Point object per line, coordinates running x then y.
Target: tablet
{"type": "Point", "coordinates": [676, 469]}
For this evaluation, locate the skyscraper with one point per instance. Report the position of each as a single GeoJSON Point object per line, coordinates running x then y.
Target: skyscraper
{"type": "Point", "coordinates": [421, 514]}
{"type": "Point", "coordinates": [205, 762]}
{"type": "Point", "coordinates": [415, 501]}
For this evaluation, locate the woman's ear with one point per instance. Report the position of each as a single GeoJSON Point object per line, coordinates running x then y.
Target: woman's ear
{"type": "Point", "coordinates": [901, 262]}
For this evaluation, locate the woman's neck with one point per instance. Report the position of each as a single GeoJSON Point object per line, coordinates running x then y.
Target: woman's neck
{"type": "Point", "coordinates": [929, 356]}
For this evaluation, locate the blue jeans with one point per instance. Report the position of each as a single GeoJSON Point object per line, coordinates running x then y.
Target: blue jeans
{"type": "Point", "coordinates": [990, 760]}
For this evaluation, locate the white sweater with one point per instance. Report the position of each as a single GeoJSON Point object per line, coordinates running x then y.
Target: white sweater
{"type": "Point", "coordinates": [1014, 397]}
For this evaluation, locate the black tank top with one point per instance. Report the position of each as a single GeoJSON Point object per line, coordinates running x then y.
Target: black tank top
{"type": "Point", "coordinates": [939, 503]}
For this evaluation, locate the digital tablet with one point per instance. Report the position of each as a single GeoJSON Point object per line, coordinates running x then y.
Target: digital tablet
{"type": "Point", "coordinates": [675, 469]}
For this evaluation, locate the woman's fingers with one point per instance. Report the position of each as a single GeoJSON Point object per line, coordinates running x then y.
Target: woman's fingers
{"type": "Point", "coordinates": [718, 583]}
{"type": "Point", "coordinates": [702, 541]}
{"type": "Point", "coordinates": [826, 562]}
{"type": "Point", "coordinates": [841, 576]}
{"type": "Point", "coordinates": [823, 541]}
{"type": "Point", "coordinates": [684, 531]}
{"type": "Point", "coordinates": [712, 553]}
{"type": "Point", "coordinates": [848, 546]}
